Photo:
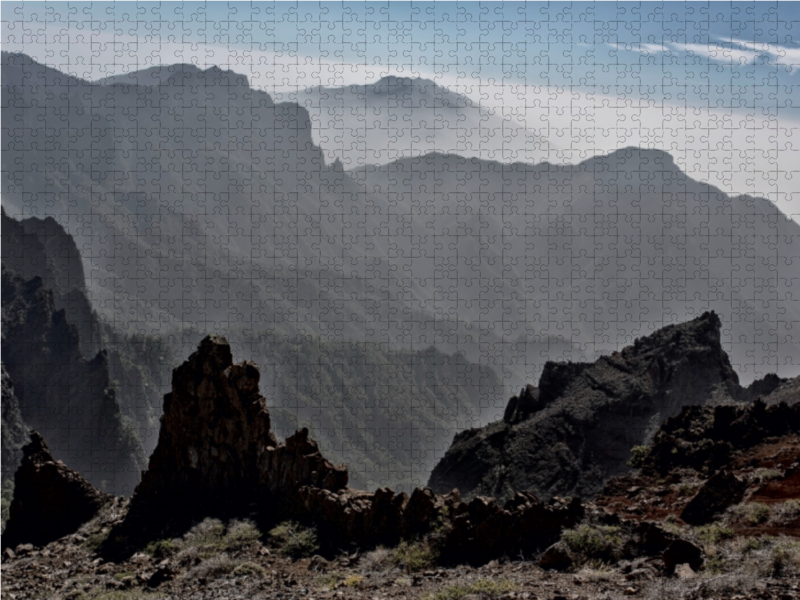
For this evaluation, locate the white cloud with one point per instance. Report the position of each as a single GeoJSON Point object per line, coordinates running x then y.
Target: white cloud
{"type": "Point", "coordinates": [786, 56]}
{"type": "Point", "coordinates": [640, 47]}
{"type": "Point", "coordinates": [719, 53]}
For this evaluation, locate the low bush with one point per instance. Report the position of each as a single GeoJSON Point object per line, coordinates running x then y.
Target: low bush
{"type": "Point", "coordinates": [714, 534]}
{"type": "Point", "coordinates": [593, 542]}
{"type": "Point", "coordinates": [249, 569]}
{"type": "Point", "coordinates": [414, 556]}
{"type": "Point", "coordinates": [638, 456]}
{"type": "Point", "coordinates": [161, 549]}
{"type": "Point", "coordinates": [294, 540]}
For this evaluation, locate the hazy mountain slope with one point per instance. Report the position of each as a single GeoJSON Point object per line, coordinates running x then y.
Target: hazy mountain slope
{"type": "Point", "coordinates": [139, 365]}
{"type": "Point", "coordinates": [601, 251]}
{"type": "Point", "coordinates": [388, 414]}
{"type": "Point", "coordinates": [211, 205]}
{"type": "Point", "coordinates": [200, 201]}
{"type": "Point", "coordinates": [400, 117]}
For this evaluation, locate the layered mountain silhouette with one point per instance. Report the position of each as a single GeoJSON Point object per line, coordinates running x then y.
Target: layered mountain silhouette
{"type": "Point", "coordinates": [197, 200]}
{"type": "Point", "coordinates": [199, 204]}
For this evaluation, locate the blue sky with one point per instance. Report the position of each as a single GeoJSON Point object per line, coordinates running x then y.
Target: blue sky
{"type": "Point", "coordinates": [711, 54]}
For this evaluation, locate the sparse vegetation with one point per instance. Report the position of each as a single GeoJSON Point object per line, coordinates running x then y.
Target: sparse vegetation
{"type": "Point", "coordinates": [593, 542]}
{"type": "Point", "coordinates": [685, 489]}
{"type": "Point", "coordinates": [124, 595]}
{"type": "Point", "coordinates": [294, 540]}
{"type": "Point", "coordinates": [376, 560]}
{"type": "Point", "coordinates": [161, 549]}
{"type": "Point", "coordinates": [414, 556]}
{"type": "Point", "coordinates": [93, 542]}
{"type": "Point", "coordinates": [214, 537]}
{"type": "Point", "coordinates": [785, 512]}
{"type": "Point", "coordinates": [213, 567]}
{"type": "Point", "coordinates": [329, 581]}
{"type": "Point", "coordinates": [714, 534]}
{"type": "Point", "coordinates": [638, 456]}
{"type": "Point", "coordinates": [486, 588]}
{"type": "Point", "coordinates": [767, 474]}
{"type": "Point", "coordinates": [752, 513]}
{"type": "Point", "coordinates": [249, 569]}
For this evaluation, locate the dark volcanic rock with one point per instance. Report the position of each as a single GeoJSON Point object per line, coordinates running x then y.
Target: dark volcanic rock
{"type": "Point", "coordinates": [717, 494]}
{"type": "Point", "coordinates": [216, 454]}
{"type": "Point", "coordinates": [703, 437]}
{"type": "Point", "coordinates": [580, 430]}
{"type": "Point", "coordinates": [41, 248]}
{"type": "Point", "coordinates": [50, 500]}
{"type": "Point", "coordinates": [61, 394]}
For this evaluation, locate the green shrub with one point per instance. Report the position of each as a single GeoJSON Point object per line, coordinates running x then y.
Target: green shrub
{"type": "Point", "coordinates": [785, 512]}
{"type": "Point", "coordinates": [593, 541]}
{"type": "Point", "coordinates": [213, 537]}
{"type": "Point", "coordinates": [638, 455]}
{"type": "Point", "coordinates": [752, 513]}
{"type": "Point", "coordinates": [329, 581]}
{"type": "Point", "coordinates": [249, 569]}
{"type": "Point", "coordinates": [714, 534]}
{"type": "Point", "coordinates": [161, 549]}
{"type": "Point", "coordinates": [485, 588]}
{"type": "Point", "coordinates": [414, 556]}
{"type": "Point", "coordinates": [294, 540]}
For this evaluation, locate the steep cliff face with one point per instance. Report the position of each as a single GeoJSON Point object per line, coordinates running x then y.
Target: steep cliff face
{"type": "Point", "coordinates": [61, 394]}
{"type": "Point", "coordinates": [577, 429]}
{"type": "Point", "coordinates": [41, 248]}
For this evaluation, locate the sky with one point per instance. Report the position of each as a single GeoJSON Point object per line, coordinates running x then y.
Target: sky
{"type": "Point", "coordinates": [712, 83]}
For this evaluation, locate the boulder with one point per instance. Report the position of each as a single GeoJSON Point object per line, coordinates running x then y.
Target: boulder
{"type": "Point", "coordinates": [557, 557]}
{"type": "Point", "coordinates": [681, 552]}
{"type": "Point", "coordinates": [718, 493]}
{"type": "Point", "coordinates": [50, 500]}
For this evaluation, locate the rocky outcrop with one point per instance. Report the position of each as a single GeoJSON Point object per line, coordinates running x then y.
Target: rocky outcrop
{"type": "Point", "coordinates": [61, 394]}
{"type": "Point", "coordinates": [50, 500]}
{"type": "Point", "coordinates": [13, 428]}
{"type": "Point", "coordinates": [216, 454]}
{"type": "Point", "coordinates": [704, 438]}
{"type": "Point", "coordinates": [580, 429]}
{"type": "Point", "coordinates": [718, 493]}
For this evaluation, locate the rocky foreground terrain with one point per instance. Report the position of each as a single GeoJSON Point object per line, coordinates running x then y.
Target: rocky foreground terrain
{"type": "Point", "coordinates": [710, 509]}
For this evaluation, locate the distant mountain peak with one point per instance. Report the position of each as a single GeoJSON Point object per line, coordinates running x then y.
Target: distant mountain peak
{"type": "Point", "coordinates": [177, 74]}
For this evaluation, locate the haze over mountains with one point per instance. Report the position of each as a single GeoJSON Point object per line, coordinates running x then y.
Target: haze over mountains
{"type": "Point", "coordinates": [402, 117]}
{"type": "Point", "coordinates": [201, 205]}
